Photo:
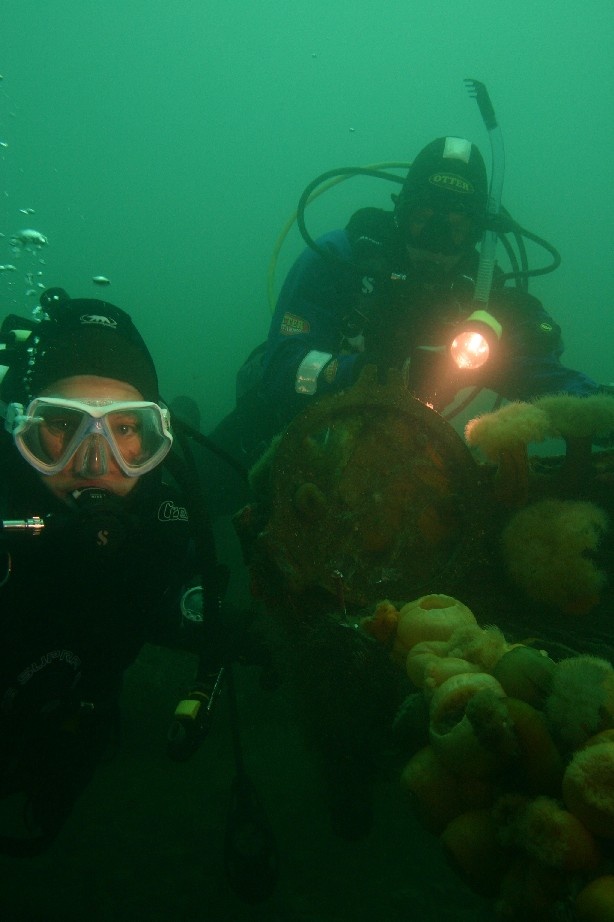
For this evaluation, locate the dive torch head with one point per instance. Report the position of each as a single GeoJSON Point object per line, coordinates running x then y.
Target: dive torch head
{"type": "Point", "coordinates": [475, 340]}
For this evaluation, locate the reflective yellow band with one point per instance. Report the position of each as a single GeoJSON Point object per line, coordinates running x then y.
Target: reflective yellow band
{"type": "Point", "coordinates": [188, 708]}
{"type": "Point", "coordinates": [487, 319]}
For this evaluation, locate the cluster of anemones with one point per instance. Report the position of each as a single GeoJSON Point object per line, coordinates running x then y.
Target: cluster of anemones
{"type": "Point", "coordinates": [514, 760]}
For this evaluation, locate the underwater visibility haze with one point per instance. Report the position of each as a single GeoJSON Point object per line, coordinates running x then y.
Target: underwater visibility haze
{"type": "Point", "coordinates": [150, 154]}
{"type": "Point", "coordinates": [164, 146]}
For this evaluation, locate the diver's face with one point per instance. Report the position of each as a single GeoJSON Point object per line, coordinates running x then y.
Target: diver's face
{"type": "Point", "coordinates": [438, 240]}
{"type": "Point", "coordinates": [75, 476]}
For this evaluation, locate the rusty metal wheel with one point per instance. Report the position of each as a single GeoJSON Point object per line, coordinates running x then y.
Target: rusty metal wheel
{"type": "Point", "coordinates": [374, 495]}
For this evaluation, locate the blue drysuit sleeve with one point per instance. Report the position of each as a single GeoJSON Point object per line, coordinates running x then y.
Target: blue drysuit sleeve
{"type": "Point", "coordinates": [528, 370]}
{"type": "Point", "coordinates": [316, 297]}
{"type": "Point", "coordinates": [536, 376]}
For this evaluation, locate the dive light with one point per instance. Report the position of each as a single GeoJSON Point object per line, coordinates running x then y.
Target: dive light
{"type": "Point", "coordinates": [476, 340]}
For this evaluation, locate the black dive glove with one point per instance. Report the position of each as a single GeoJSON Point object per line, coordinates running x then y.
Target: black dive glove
{"type": "Point", "coordinates": [369, 358]}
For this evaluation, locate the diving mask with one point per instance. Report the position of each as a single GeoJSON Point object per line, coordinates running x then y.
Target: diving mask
{"type": "Point", "coordinates": [446, 231]}
{"type": "Point", "coordinates": [53, 430]}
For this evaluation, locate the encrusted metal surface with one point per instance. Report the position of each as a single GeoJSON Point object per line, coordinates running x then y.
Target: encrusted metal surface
{"type": "Point", "coordinates": [374, 495]}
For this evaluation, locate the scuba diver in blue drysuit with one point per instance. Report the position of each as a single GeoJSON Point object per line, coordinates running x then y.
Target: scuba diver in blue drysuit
{"type": "Point", "coordinates": [394, 289]}
{"type": "Point", "coordinates": [409, 289]}
{"type": "Point", "coordinates": [405, 288]}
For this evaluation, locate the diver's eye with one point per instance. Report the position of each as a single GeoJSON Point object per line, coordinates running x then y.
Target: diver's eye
{"type": "Point", "coordinates": [125, 426]}
{"type": "Point", "coordinates": [60, 425]}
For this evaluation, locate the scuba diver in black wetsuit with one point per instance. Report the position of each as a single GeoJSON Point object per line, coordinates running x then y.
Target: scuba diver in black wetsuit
{"type": "Point", "coordinates": [96, 545]}
{"type": "Point", "coordinates": [94, 549]}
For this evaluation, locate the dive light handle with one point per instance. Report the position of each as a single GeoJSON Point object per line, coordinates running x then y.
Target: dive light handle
{"type": "Point", "coordinates": [30, 526]}
{"type": "Point", "coordinates": [192, 718]}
